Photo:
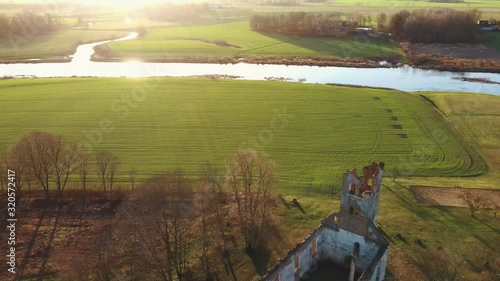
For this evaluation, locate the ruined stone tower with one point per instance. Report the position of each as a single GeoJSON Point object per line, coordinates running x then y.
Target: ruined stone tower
{"type": "Point", "coordinates": [360, 199]}
{"type": "Point", "coordinates": [347, 245]}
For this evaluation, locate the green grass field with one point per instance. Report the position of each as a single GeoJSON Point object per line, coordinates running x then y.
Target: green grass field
{"type": "Point", "coordinates": [183, 123]}
{"type": "Point", "coordinates": [54, 45]}
{"type": "Point", "coordinates": [198, 41]}
{"type": "Point", "coordinates": [477, 118]}
{"type": "Point", "coordinates": [492, 39]}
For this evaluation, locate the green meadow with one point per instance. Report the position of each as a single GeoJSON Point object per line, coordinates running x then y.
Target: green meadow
{"type": "Point", "coordinates": [312, 132]}
{"type": "Point", "coordinates": [201, 41]}
{"type": "Point", "coordinates": [492, 39]}
{"type": "Point", "coordinates": [51, 46]}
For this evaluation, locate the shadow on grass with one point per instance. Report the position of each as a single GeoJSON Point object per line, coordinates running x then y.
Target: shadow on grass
{"type": "Point", "coordinates": [228, 265]}
{"type": "Point", "coordinates": [48, 249]}
{"type": "Point", "coordinates": [283, 200]}
{"type": "Point", "coordinates": [485, 242]}
{"type": "Point", "coordinates": [431, 212]}
{"type": "Point", "coordinates": [360, 46]}
{"type": "Point", "coordinates": [410, 205]}
{"type": "Point", "coordinates": [489, 226]}
{"type": "Point", "coordinates": [385, 235]}
{"type": "Point", "coordinates": [389, 276]}
{"type": "Point", "coordinates": [444, 215]}
{"type": "Point", "coordinates": [31, 243]}
{"type": "Point", "coordinates": [297, 204]}
{"type": "Point", "coordinates": [260, 258]}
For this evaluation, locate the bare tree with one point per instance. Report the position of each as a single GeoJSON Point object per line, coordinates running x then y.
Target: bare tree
{"type": "Point", "coordinates": [213, 179]}
{"type": "Point", "coordinates": [474, 203]}
{"type": "Point", "coordinates": [493, 206]}
{"type": "Point", "coordinates": [396, 173]}
{"type": "Point", "coordinates": [33, 151]}
{"type": "Point", "coordinates": [84, 169]}
{"type": "Point", "coordinates": [64, 158]}
{"type": "Point", "coordinates": [494, 210]}
{"type": "Point", "coordinates": [3, 168]}
{"type": "Point", "coordinates": [204, 204]}
{"type": "Point", "coordinates": [381, 21]}
{"type": "Point", "coordinates": [107, 165]}
{"type": "Point", "coordinates": [158, 225]}
{"type": "Point", "coordinates": [251, 178]}
{"type": "Point", "coordinates": [132, 176]}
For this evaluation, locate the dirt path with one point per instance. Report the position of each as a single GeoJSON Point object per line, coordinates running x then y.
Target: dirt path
{"type": "Point", "coordinates": [443, 196]}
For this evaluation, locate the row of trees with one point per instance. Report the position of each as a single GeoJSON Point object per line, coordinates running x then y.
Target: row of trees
{"type": "Point", "coordinates": [304, 24]}
{"type": "Point", "coordinates": [159, 226]}
{"type": "Point", "coordinates": [50, 161]}
{"type": "Point", "coordinates": [280, 3]}
{"type": "Point", "coordinates": [162, 226]}
{"type": "Point", "coordinates": [27, 23]}
{"type": "Point", "coordinates": [435, 26]}
{"type": "Point", "coordinates": [447, 1]}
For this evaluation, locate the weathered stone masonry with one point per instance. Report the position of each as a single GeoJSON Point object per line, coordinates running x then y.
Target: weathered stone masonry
{"type": "Point", "coordinates": [348, 237]}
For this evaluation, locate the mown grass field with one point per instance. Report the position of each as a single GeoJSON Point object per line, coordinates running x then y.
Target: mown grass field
{"type": "Point", "coordinates": [184, 123]}
{"type": "Point", "coordinates": [200, 41]}
{"type": "Point", "coordinates": [477, 118]}
{"type": "Point", "coordinates": [49, 46]}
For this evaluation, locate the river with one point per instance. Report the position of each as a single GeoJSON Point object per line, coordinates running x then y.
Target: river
{"type": "Point", "coordinates": [404, 78]}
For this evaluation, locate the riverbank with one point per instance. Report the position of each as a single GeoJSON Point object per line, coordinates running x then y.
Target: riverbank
{"type": "Point", "coordinates": [421, 61]}
{"type": "Point", "coordinates": [34, 61]}
{"type": "Point", "coordinates": [54, 47]}
{"type": "Point", "coordinates": [274, 60]}
{"type": "Point", "coordinates": [453, 58]}
{"type": "Point", "coordinates": [427, 62]}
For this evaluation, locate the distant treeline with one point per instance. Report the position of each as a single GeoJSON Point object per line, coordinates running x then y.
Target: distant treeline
{"type": "Point", "coordinates": [447, 1]}
{"type": "Point", "coordinates": [173, 12]}
{"type": "Point", "coordinates": [27, 24]}
{"type": "Point", "coordinates": [280, 3]}
{"type": "Point", "coordinates": [303, 24]}
{"type": "Point", "coordinates": [435, 26]}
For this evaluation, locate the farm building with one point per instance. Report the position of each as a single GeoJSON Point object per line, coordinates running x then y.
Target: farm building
{"type": "Point", "coordinates": [487, 26]}
{"type": "Point", "coordinates": [347, 245]}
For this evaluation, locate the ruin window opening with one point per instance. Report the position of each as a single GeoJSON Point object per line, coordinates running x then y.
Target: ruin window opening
{"type": "Point", "coordinates": [356, 248]}
{"type": "Point", "coordinates": [351, 209]}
